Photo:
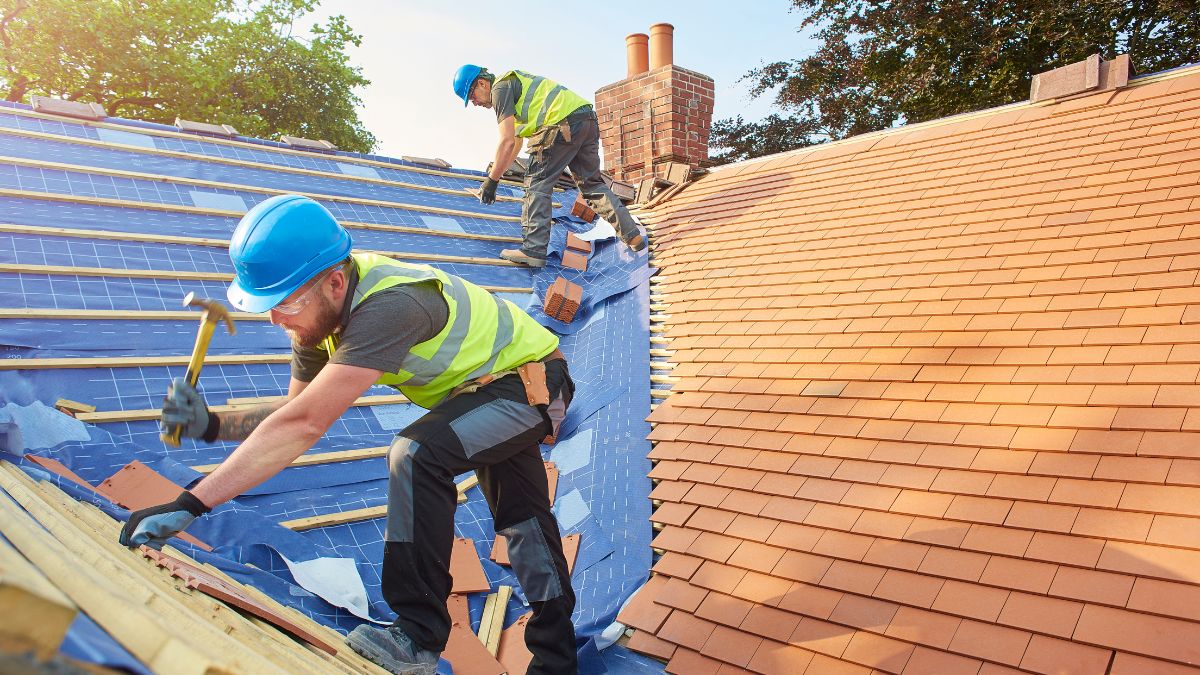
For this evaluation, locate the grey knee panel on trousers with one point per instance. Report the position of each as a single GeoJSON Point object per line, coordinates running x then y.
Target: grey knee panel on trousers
{"type": "Point", "coordinates": [400, 489]}
{"type": "Point", "coordinates": [531, 562]}
{"type": "Point", "coordinates": [493, 423]}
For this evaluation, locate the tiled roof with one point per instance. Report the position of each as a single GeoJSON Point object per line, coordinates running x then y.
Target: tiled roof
{"type": "Point", "coordinates": [937, 407]}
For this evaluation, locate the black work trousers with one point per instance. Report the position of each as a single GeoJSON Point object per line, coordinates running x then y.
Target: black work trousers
{"type": "Point", "coordinates": [497, 433]}
{"type": "Point", "coordinates": [551, 153]}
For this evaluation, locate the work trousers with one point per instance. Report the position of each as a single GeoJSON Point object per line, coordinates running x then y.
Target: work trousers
{"type": "Point", "coordinates": [494, 431]}
{"type": "Point", "coordinates": [550, 153]}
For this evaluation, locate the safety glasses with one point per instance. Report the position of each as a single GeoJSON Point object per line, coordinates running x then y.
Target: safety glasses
{"type": "Point", "coordinates": [294, 307]}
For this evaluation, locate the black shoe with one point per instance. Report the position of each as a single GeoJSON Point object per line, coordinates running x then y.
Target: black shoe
{"type": "Point", "coordinates": [392, 649]}
{"type": "Point", "coordinates": [636, 242]}
{"type": "Point", "coordinates": [517, 256]}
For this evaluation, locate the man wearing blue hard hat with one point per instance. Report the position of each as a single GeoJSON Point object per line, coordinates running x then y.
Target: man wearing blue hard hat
{"type": "Point", "coordinates": [494, 382]}
{"type": "Point", "coordinates": [563, 134]}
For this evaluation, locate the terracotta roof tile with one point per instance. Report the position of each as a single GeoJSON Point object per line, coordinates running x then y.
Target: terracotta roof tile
{"type": "Point", "coordinates": [1131, 664]}
{"type": "Point", "coordinates": [645, 642]}
{"type": "Point", "coordinates": [686, 630]}
{"type": "Point", "coordinates": [1041, 614]}
{"type": "Point", "coordinates": [1049, 655]}
{"type": "Point", "coordinates": [934, 661]}
{"type": "Point", "coordinates": [677, 565]}
{"type": "Point", "coordinates": [724, 609]}
{"type": "Point", "coordinates": [1166, 597]}
{"type": "Point", "coordinates": [821, 636]}
{"type": "Point", "coordinates": [776, 658]}
{"type": "Point", "coordinates": [717, 577]}
{"type": "Point", "coordinates": [1140, 633]}
{"type": "Point", "coordinates": [908, 588]}
{"type": "Point", "coordinates": [686, 662]}
{"type": "Point", "coordinates": [732, 646]}
{"type": "Point", "coordinates": [991, 642]}
{"type": "Point", "coordinates": [642, 611]}
{"type": "Point", "coordinates": [878, 652]}
{"type": "Point", "coordinates": [825, 664]}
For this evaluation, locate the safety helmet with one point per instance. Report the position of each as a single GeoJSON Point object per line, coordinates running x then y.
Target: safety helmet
{"type": "Point", "coordinates": [279, 245]}
{"type": "Point", "coordinates": [463, 79]}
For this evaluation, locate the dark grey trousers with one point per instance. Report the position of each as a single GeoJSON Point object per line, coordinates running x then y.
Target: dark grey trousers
{"type": "Point", "coordinates": [550, 154]}
{"type": "Point", "coordinates": [497, 433]}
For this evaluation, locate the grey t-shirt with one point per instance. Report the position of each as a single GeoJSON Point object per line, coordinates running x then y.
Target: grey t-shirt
{"type": "Point", "coordinates": [504, 97]}
{"type": "Point", "coordinates": [380, 331]}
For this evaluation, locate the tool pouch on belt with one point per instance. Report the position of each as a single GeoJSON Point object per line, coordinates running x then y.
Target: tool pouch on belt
{"type": "Point", "coordinates": [541, 140]}
{"type": "Point", "coordinates": [533, 376]}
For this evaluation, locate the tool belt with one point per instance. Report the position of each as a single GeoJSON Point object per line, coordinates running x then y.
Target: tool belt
{"type": "Point", "coordinates": [533, 376]}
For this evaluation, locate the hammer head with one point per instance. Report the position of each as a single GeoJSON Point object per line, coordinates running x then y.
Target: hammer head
{"type": "Point", "coordinates": [214, 311]}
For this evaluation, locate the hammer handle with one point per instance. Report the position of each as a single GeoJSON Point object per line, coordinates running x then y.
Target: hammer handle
{"type": "Point", "coordinates": [199, 350]}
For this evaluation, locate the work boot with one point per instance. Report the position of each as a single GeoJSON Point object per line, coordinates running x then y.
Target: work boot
{"type": "Point", "coordinates": [392, 649]}
{"type": "Point", "coordinates": [517, 256]}
{"type": "Point", "coordinates": [635, 241]}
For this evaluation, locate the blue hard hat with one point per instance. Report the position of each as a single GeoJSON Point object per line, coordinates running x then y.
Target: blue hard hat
{"type": "Point", "coordinates": [464, 77]}
{"type": "Point", "coordinates": [279, 245]}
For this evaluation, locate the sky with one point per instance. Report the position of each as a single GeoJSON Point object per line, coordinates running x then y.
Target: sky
{"type": "Point", "coordinates": [410, 51]}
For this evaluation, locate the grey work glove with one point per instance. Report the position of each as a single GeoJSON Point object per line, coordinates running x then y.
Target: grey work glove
{"type": "Point", "coordinates": [153, 526]}
{"type": "Point", "coordinates": [487, 191]}
{"type": "Point", "coordinates": [185, 407]}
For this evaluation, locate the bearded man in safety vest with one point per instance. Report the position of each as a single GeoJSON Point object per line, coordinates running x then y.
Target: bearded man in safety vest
{"type": "Point", "coordinates": [562, 132]}
{"type": "Point", "coordinates": [492, 378]}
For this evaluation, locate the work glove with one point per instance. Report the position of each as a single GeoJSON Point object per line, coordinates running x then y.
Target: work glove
{"type": "Point", "coordinates": [185, 407]}
{"type": "Point", "coordinates": [487, 191]}
{"type": "Point", "coordinates": [155, 525]}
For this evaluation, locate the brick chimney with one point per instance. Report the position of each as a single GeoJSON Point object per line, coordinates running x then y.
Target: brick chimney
{"type": "Point", "coordinates": [659, 114]}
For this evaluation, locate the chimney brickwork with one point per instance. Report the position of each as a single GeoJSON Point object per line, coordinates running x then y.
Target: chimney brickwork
{"type": "Point", "coordinates": [653, 118]}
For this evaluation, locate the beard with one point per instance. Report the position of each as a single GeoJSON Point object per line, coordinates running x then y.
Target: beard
{"type": "Point", "coordinates": [328, 320]}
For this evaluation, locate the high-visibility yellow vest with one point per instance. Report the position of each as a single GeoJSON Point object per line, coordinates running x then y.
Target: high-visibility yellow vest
{"type": "Point", "coordinates": [484, 334]}
{"type": "Point", "coordinates": [542, 102]}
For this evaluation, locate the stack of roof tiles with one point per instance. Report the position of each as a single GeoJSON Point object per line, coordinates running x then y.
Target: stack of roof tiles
{"type": "Point", "coordinates": [938, 407]}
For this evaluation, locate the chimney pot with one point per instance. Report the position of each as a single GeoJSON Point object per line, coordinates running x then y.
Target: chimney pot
{"type": "Point", "coordinates": [662, 50]}
{"type": "Point", "coordinates": [636, 56]}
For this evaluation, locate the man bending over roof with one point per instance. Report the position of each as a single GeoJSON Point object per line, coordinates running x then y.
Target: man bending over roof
{"type": "Point", "coordinates": [359, 319]}
{"type": "Point", "coordinates": [563, 133]}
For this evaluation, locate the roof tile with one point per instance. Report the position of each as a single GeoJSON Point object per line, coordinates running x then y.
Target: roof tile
{"type": "Point", "coordinates": [821, 636]}
{"type": "Point", "coordinates": [771, 623]}
{"type": "Point", "coordinates": [970, 600]}
{"type": "Point", "coordinates": [991, 642]}
{"type": "Point", "coordinates": [776, 658]}
{"type": "Point", "coordinates": [1041, 614]}
{"type": "Point", "coordinates": [1049, 655]}
{"type": "Point", "coordinates": [688, 662]}
{"type": "Point", "coordinates": [686, 630]}
{"type": "Point", "coordinates": [1018, 573]}
{"type": "Point", "coordinates": [908, 588]}
{"type": "Point", "coordinates": [878, 652]}
{"type": "Point", "coordinates": [928, 661]}
{"type": "Point", "coordinates": [1141, 633]}
{"type": "Point", "coordinates": [732, 646]}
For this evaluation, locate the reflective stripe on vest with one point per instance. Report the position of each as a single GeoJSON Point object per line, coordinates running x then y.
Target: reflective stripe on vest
{"type": "Point", "coordinates": [483, 334]}
{"type": "Point", "coordinates": [542, 102]}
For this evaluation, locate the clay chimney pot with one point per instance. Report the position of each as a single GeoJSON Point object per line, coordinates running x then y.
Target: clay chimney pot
{"type": "Point", "coordinates": [636, 55]}
{"type": "Point", "coordinates": [662, 49]}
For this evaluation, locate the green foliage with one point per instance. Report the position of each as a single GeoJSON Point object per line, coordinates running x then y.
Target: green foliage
{"type": "Point", "coordinates": [904, 61]}
{"type": "Point", "coordinates": [226, 61]}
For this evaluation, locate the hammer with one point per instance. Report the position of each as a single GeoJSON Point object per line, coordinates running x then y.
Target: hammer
{"type": "Point", "coordinates": [213, 312]}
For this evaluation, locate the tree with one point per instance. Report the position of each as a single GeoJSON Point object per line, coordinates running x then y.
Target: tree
{"type": "Point", "coordinates": [233, 62]}
{"type": "Point", "coordinates": [879, 64]}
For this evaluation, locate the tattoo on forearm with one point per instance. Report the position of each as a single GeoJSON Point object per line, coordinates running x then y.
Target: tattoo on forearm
{"type": "Point", "coordinates": [237, 426]}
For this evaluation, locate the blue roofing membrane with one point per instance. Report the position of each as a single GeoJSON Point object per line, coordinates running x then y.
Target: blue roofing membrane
{"type": "Point", "coordinates": [59, 173]}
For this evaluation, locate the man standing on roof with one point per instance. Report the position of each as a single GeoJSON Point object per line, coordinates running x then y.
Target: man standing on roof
{"type": "Point", "coordinates": [492, 378]}
{"type": "Point", "coordinates": [562, 132]}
